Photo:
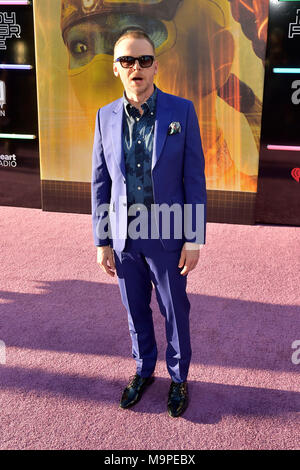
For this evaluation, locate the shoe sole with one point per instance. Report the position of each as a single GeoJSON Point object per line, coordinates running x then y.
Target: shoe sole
{"type": "Point", "coordinates": [139, 396]}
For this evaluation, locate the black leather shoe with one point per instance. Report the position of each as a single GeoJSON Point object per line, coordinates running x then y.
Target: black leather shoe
{"type": "Point", "coordinates": [134, 390]}
{"type": "Point", "coordinates": [178, 398]}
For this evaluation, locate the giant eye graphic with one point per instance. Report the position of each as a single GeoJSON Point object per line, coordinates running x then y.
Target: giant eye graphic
{"type": "Point", "coordinates": [78, 47]}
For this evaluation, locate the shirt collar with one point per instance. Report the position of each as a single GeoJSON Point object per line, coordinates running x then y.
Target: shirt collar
{"type": "Point", "coordinates": [149, 105]}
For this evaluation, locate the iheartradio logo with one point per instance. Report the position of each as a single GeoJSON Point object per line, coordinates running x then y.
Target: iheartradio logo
{"type": "Point", "coordinates": [296, 174]}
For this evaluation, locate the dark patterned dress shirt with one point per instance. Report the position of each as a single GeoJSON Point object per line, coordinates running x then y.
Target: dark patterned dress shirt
{"type": "Point", "coordinates": [138, 133]}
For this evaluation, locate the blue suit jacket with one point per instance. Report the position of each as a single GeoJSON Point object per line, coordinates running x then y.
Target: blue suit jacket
{"type": "Point", "coordinates": [177, 170]}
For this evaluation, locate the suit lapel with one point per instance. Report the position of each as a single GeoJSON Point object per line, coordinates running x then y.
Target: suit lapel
{"type": "Point", "coordinates": [162, 121]}
{"type": "Point", "coordinates": [116, 135]}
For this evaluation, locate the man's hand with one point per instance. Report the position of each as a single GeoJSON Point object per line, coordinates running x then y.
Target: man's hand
{"type": "Point", "coordinates": [189, 257]}
{"type": "Point", "coordinates": [105, 258]}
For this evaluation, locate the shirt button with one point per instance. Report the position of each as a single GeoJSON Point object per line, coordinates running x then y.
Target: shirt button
{"type": "Point", "coordinates": [139, 188]}
{"type": "Point", "coordinates": [138, 164]}
{"type": "Point", "coordinates": [151, 114]}
{"type": "Point", "coordinates": [139, 141]}
{"type": "Point", "coordinates": [137, 119]}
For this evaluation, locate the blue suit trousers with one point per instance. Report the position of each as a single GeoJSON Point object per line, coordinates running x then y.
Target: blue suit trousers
{"type": "Point", "coordinates": [143, 261]}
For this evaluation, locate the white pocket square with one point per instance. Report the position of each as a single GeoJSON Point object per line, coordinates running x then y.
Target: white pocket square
{"type": "Point", "coordinates": [174, 128]}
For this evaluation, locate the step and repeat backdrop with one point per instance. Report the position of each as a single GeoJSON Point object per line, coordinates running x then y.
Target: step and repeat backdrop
{"type": "Point", "coordinates": [278, 192]}
{"type": "Point", "coordinates": [236, 60]}
{"type": "Point", "coordinates": [19, 149]}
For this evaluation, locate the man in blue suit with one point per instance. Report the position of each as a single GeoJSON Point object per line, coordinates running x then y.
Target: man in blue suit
{"type": "Point", "coordinates": [149, 211]}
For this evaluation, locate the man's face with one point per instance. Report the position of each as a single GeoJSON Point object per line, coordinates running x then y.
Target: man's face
{"type": "Point", "coordinates": [136, 80]}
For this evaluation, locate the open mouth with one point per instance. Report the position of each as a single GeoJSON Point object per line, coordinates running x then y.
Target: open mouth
{"type": "Point", "coordinates": [137, 79]}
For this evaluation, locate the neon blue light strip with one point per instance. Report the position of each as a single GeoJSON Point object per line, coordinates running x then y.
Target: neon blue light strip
{"type": "Point", "coordinates": [15, 67]}
{"type": "Point", "coordinates": [17, 136]}
{"type": "Point", "coordinates": [286, 70]}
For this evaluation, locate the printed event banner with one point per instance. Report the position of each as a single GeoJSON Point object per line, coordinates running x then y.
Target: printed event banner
{"type": "Point", "coordinates": [209, 51]}
{"type": "Point", "coordinates": [278, 198]}
{"type": "Point", "coordinates": [20, 184]}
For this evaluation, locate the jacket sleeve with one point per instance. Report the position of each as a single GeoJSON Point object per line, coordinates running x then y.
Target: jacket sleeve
{"type": "Point", "coordinates": [194, 182]}
{"type": "Point", "coordinates": [100, 190]}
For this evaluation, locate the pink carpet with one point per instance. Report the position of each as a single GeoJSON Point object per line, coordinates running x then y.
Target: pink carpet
{"type": "Point", "coordinates": [68, 352]}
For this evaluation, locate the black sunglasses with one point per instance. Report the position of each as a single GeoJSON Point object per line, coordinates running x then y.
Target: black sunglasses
{"type": "Point", "coordinates": [127, 61]}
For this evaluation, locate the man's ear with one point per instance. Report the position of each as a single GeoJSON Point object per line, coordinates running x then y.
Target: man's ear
{"type": "Point", "coordinates": [115, 70]}
{"type": "Point", "coordinates": [155, 67]}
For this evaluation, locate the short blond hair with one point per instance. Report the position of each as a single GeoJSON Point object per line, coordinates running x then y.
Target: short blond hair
{"type": "Point", "coordinates": [135, 33]}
